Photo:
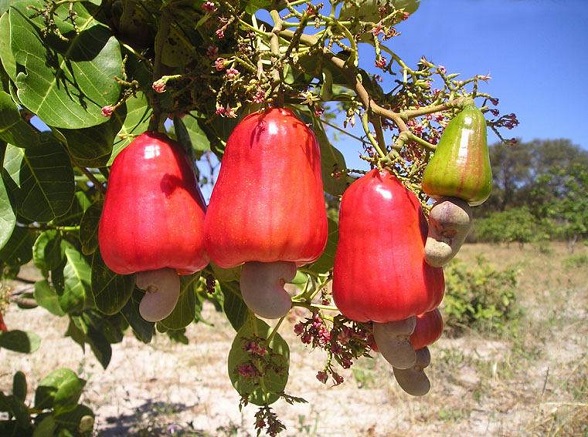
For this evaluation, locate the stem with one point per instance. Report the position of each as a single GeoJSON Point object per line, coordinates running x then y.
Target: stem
{"type": "Point", "coordinates": [370, 137]}
{"type": "Point", "coordinates": [275, 50]}
{"type": "Point", "coordinates": [93, 179]}
{"type": "Point", "coordinates": [156, 122]}
{"type": "Point", "coordinates": [455, 103]}
{"type": "Point", "coordinates": [275, 329]}
{"type": "Point", "coordinates": [311, 306]}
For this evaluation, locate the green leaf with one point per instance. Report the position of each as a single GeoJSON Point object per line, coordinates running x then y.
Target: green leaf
{"type": "Point", "coordinates": [333, 164]}
{"type": "Point", "coordinates": [327, 259]}
{"type": "Point", "coordinates": [7, 215]}
{"type": "Point", "coordinates": [60, 390]}
{"type": "Point", "coordinates": [48, 251]}
{"type": "Point", "coordinates": [92, 146]}
{"type": "Point", "coordinates": [77, 275]}
{"type": "Point", "coordinates": [185, 310]}
{"type": "Point", "coordinates": [18, 250]}
{"type": "Point", "coordinates": [260, 378]}
{"type": "Point", "coordinates": [254, 5]}
{"type": "Point", "coordinates": [65, 83]}
{"type": "Point", "coordinates": [6, 55]}
{"type": "Point", "coordinates": [13, 129]}
{"type": "Point", "coordinates": [17, 409]}
{"type": "Point", "coordinates": [46, 427]}
{"type": "Point", "coordinates": [47, 297]}
{"type": "Point", "coordinates": [80, 420]}
{"type": "Point", "coordinates": [19, 386]}
{"type": "Point", "coordinates": [136, 122]}
{"type": "Point", "coordinates": [77, 330]}
{"type": "Point", "coordinates": [199, 140]}
{"type": "Point", "coordinates": [233, 305]}
{"type": "Point", "coordinates": [142, 329]}
{"type": "Point", "coordinates": [20, 341]}
{"type": "Point", "coordinates": [40, 179]}
{"type": "Point", "coordinates": [100, 346]}
{"type": "Point", "coordinates": [110, 291]}
{"type": "Point", "coordinates": [89, 228]}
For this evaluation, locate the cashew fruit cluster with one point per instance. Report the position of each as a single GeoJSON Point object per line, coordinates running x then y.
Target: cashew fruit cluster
{"type": "Point", "coordinates": [267, 217]}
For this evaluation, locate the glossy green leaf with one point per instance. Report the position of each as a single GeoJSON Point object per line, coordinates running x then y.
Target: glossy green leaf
{"type": "Point", "coordinates": [327, 259]}
{"type": "Point", "coordinates": [142, 329]}
{"type": "Point", "coordinates": [185, 310]}
{"type": "Point", "coordinates": [6, 55]}
{"type": "Point", "coordinates": [260, 377]}
{"type": "Point", "coordinates": [46, 296]}
{"type": "Point", "coordinates": [7, 216]}
{"type": "Point", "coordinates": [18, 249]}
{"type": "Point", "coordinates": [254, 5]}
{"type": "Point", "coordinates": [110, 291]}
{"type": "Point", "coordinates": [200, 142]}
{"type": "Point", "coordinates": [13, 129]}
{"type": "Point", "coordinates": [333, 166]}
{"type": "Point", "coordinates": [19, 386]}
{"type": "Point", "coordinates": [20, 341]}
{"type": "Point", "coordinates": [100, 346]}
{"type": "Point", "coordinates": [65, 83]}
{"type": "Point", "coordinates": [48, 251]}
{"type": "Point", "coordinates": [77, 276]}
{"type": "Point", "coordinates": [233, 305]}
{"type": "Point", "coordinates": [60, 390]}
{"type": "Point", "coordinates": [80, 420]}
{"type": "Point", "coordinates": [40, 179]}
{"type": "Point", "coordinates": [136, 122]}
{"type": "Point", "coordinates": [92, 146]}
{"type": "Point", "coordinates": [77, 330]}
{"type": "Point", "coordinates": [89, 228]}
{"type": "Point", "coordinates": [46, 427]}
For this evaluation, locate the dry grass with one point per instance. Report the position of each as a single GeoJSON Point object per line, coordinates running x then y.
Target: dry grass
{"type": "Point", "coordinates": [533, 383]}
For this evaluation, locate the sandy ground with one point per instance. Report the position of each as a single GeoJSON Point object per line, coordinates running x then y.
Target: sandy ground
{"type": "Point", "coordinates": [479, 387]}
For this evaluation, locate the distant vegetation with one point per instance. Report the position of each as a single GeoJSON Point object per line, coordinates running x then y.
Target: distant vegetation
{"type": "Point", "coordinates": [540, 193]}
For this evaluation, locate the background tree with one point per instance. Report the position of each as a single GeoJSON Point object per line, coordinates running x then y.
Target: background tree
{"type": "Point", "coordinates": [541, 185]}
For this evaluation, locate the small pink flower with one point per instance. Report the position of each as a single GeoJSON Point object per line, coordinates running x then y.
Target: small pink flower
{"type": "Point", "coordinates": [299, 328]}
{"type": "Point", "coordinates": [338, 378]}
{"type": "Point", "coordinates": [219, 64]}
{"type": "Point", "coordinates": [259, 96]}
{"type": "Point", "coordinates": [232, 73]}
{"type": "Point", "coordinates": [322, 376]}
{"type": "Point", "coordinates": [209, 6]}
{"type": "Point", "coordinates": [220, 33]}
{"type": "Point", "coordinates": [381, 62]}
{"type": "Point", "coordinates": [107, 110]}
{"type": "Point", "coordinates": [159, 86]}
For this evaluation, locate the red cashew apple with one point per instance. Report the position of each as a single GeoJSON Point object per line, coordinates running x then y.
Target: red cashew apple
{"type": "Point", "coordinates": [428, 329]}
{"type": "Point", "coordinates": [152, 221]}
{"type": "Point", "coordinates": [267, 210]}
{"type": "Point", "coordinates": [3, 327]}
{"type": "Point", "coordinates": [380, 273]}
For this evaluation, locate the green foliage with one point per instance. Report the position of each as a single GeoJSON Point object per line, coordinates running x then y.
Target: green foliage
{"type": "Point", "coordinates": [55, 411]}
{"type": "Point", "coordinates": [516, 225]}
{"type": "Point", "coordinates": [480, 298]}
{"type": "Point", "coordinates": [548, 179]}
{"type": "Point", "coordinates": [578, 261]}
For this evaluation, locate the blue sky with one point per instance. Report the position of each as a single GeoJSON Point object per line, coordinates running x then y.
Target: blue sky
{"type": "Point", "coordinates": [535, 50]}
